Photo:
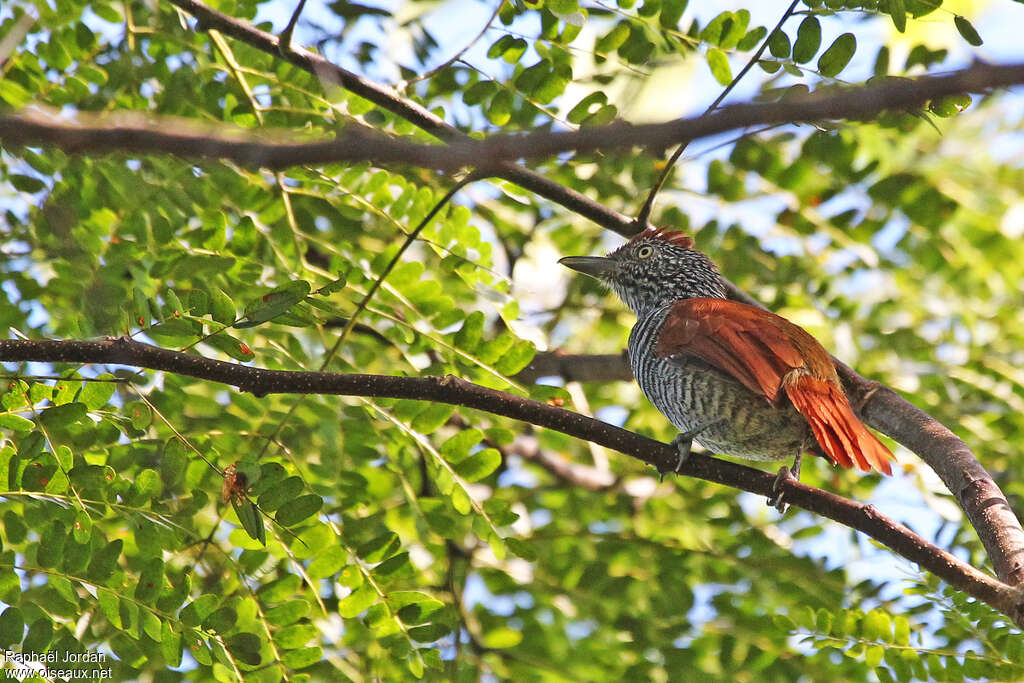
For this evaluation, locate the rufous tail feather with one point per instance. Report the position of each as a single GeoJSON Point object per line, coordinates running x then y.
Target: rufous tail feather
{"type": "Point", "coordinates": [842, 436]}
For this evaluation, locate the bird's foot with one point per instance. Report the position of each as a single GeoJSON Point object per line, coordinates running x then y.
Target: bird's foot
{"type": "Point", "coordinates": [778, 498]}
{"type": "Point", "coordinates": [684, 442]}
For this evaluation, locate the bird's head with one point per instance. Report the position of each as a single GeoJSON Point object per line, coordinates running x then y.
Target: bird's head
{"type": "Point", "coordinates": [653, 268]}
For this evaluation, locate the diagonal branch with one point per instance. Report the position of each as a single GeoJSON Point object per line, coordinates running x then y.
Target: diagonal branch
{"type": "Point", "coordinates": [882, 408]}
{"type": "Point", "coordinates": [455, 391]}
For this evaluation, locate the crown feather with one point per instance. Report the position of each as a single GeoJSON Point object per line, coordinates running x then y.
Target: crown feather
{"type": "Point", "coordinates": [674, 237]}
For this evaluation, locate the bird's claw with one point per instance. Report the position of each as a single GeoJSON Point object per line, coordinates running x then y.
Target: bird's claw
{"type": "Point", "coordinates": [778, 497]}
{"type": "Point", "coordinates": [683, 443]}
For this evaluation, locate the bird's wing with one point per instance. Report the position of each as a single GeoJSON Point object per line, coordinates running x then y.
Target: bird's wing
{"type": "Point", "coordinates": [775, 359]}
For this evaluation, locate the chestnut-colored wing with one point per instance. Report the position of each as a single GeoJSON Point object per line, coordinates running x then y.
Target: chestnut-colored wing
{"type": "Point", "coordinates": [777, 360]}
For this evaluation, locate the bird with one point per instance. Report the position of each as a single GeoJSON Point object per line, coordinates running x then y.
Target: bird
{"type": "Point", "coordinates": [739, 379]}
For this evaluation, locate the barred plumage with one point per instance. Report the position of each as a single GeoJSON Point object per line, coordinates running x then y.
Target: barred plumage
{"type": "Point", "coordinates": [740, 380]}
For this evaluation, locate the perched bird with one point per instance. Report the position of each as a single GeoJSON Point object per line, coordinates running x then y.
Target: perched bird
{"type": "Point", "coordinates": [741, 380]}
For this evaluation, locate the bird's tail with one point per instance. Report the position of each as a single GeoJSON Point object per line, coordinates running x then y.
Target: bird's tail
{"type": "Point", "coordinates": [843, 437]}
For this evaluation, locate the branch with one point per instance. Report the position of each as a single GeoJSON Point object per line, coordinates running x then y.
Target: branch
{"type": "Point", "coordinates": [454, 391]}
{"type": "Point", "coordinates": [603, 367]}
{"type": "Point", "coordinates": [391, 101]}
{"type": "Point", "coordinates": [985, 505]}
{"type": "Point", "coordinates": [882, 408]}
{"type": "Point", "coordinates": [358, 143]}
{"type": "Point", "coordinates": [949, 457]}
{"type": "Point", "coordinates": [644, 214]}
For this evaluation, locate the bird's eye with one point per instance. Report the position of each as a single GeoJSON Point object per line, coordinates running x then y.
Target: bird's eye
{"type": "Point", "coordinates": [644, 252]}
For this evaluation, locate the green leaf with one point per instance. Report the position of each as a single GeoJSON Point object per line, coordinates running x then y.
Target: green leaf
{"type": "Point", "coordinates": [479, 465]}
{"type": "Point", "coordinates": [726, 30]}
{"type": "Point", "coordinates": [429, 633]}
{"type": "Point", "coordinates": [897, 10]}
{"type": "Point", "coordinates": [196, 611]}
{"type": "Point", "coordinates": [281, 589]}
{"type": "Point", "coordinates": [393, 567]}
{"type": "Point", "coordinates": [173, 462]}
{"type": "Point", "coordinates": [300, 659]}
{"type": "Point", "coordinates": [39, 635]}
{"type": "Point", "coordinates": [380, 547]}
{"type": "Point", "coordinates": [719, 65]}
{"type": "Point", "coordinates": [221, 620]}
{"type": "Point", "coordinates": [280, 493]}
{"type": "Point", "coordinates": [432, 418]}
{"type": "Point", "coordinates": [808, 40]}
{"type": "Point", "coordinates": [469, 335]}
{"type": "Point", "coordinates": [298, 510]}
{"type": "Point", "coordinates": [778, 44]}
{"type": "Point", "coordinates": [521, 549]}
{"type": "Point", "coordinates": [499, 111]}
{"type": "Point", "coordinates": [752, 39]}
{"type": "Point", "coordinates": [327, 563]}
{"type": "Point", "coordinates": [96, 395]}
{"type": "Point", "coordinates": [516, 358]}
{"type": "Point", "coordinates": [63, 416]}
{"type": "Point", "coordinates": [672, 12]}
{"type": "Point", "coordinates": [967, 30]}
{"type": "Point", "coordinates": [838, 55]}
{"type": "Point", "coordinates": [12, 627]}
{"type": "Point", "coordinates": [148, 484]}
{"type": "Point", "coordinates": [110, 603]}
{"type": "Point", "coordinates": [251, 520]}
{"type": "Point", "coordinates": [612, 40]}
{"type": "Point", "coordinates": [274, 303]}
{"type": "Point", "coordinates": [51, 545]}
{"type": "Point", "coordinates": [881, 67]}
{"type": "Point", "coordinates": [16, 423]}
{"type": "Point", "coordinates": [150, 582]}
{"type": "Point", "coordinates": [295, 636]}
{"type": "Point", "coordinates": [230, 346]}
{"type": "Point", "coordinates": [289, 612]}
{"type": "Point", "coordinates": [502, 638]}
{"type": "Point", "coordinates": [479, 92]}
{"type": "Point", "coordinates": [13, 94]}
{"type": "Point", "coordinates": [422, 605]}
{"type": "Point", "coordinates": [245, 647]}
{"type": "Point", "coordinates": [170, 644]}
{"type": "Point", "coordinates": [221, 307]}
{"type": "Point", "coordinates": [357, 602]}
{"type": "Point", "coordinates": [25, 183]}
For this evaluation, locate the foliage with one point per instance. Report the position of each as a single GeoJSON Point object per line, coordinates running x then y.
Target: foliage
{"type": "Point", "coordinates": [397, 539]}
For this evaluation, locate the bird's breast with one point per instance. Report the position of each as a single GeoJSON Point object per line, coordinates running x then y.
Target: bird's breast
{"type": "Point", "coordinates": [692, 394]}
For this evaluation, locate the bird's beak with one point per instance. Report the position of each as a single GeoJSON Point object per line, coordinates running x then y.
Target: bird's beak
{"type": "Point", "coordinates": [594, 266]}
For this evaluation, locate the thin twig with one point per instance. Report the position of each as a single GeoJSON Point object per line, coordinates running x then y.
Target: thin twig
{"type": "Point", "coordinates": [645, 211]}
{"type": "Point", "coordinates": [404, 85]}
{"type": "Point", "coordinates": [285, 39]}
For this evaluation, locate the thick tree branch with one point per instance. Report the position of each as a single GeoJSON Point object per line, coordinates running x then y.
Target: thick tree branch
{"type": "Point", "coordinates": [454, 391]}
{"type": "Point", "coordinates": [358, 143]}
